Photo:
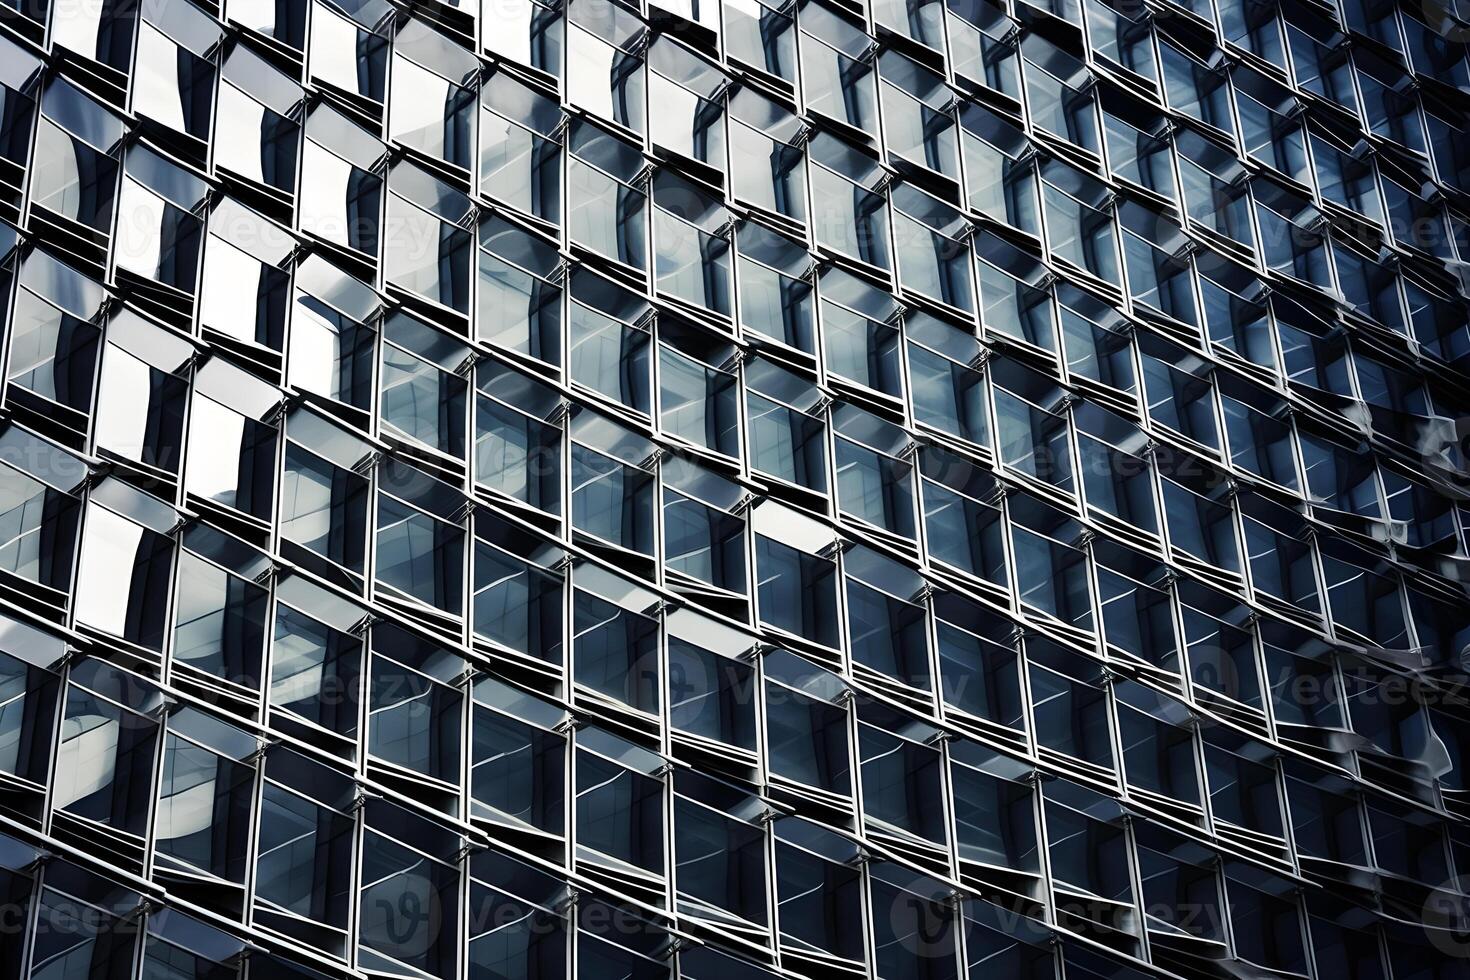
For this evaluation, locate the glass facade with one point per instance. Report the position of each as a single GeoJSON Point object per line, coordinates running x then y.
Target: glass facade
{"type": "Point", "coordinates": [734, 489]}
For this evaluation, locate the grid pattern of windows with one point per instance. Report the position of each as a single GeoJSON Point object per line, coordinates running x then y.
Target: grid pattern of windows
{"type": "Point", "coordinates": [734, 489]}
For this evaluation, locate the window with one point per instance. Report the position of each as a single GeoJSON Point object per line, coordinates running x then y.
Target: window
{"type": "Point", "coordinates": [424, 394]}
{"type": "Point", "coordinates": [1097, 344]}
{"type": "Point", "coordinates": [691, 245]}
{"type": "Point", "coordinates": [419, 550]}
{"type": "Point", "coordinates": [1215, 192]}
{"type": "Point", "coordinates": [887, 621]}
{"type": "Point", "coordinates": [1243, 787]}
{"type": "Point", "coordinates": [807, 728]}
{"type": "Point", "coordinates": [615, 640]}
{"type": "Point", "coordinates": [81, 932]}
{"type": "Point", "coordinates": [901, 771]}
{"type": "Point", "coordinates": [262, 143]}
{"type": "Point", "coordinates": [776, 298]}
{"type": "Point", "coordinates": [432, 108]}
{"type": "Point", "coordinates": [1199, 90]}
{"type": "Point", "coordinates": [930, 241]}
{"type": "Point", "coordinates": [613, 496]}
{"type": "Point", "coordinates": [979, 665]}
{"type": "Point", "coordinates": [517, 931]}
{"type": "Point", "coordinates": [220, 612]}
{"type": "Point", "coordinates": [333, 350]}
{"type": "Point", "coordinates": [699, 394]}
{"type": "Point", "coordinates": [519, 292]}
{"type": "Point", "coordinates": [821, 920]}
{"type": "Point", "coordinates": [796, 574]}
{"type": "Point", "coordinates": [962, 520]}
{"type": "Point", "coordinates": [787, 432]}
{"type": "Point", "coordinates": [982, 46]}
{"type": "Point", "coordinates": [1079, 222]}
{"type": "Point", "coordinates": [720, 854]}
{"type": "Point", "coordinates": [1158, 745]}
{"type": "Point", "coordinates": [316, 665]}
{"type": "Point", "coordinates": [690, 119]}
{"type": "Point", "coordinates": [518, 768]}
{"type": "Point", "coordinates": [1032, 433]}
{"type": "Point", "coordinates": [761, 36]}
{"type": "Point", "coordinates": [919, 124]}
{"type": "Point", "coordinates": [1137, 612]}
{"type": "Point", "coordinates": [324, 498]}
{"type": "Point", "coordinates": [1000, 174]}
{"type": "Point", "coordinates": [607, 197]}
{"type": "Point", "coordinates": [182, 37]}
{"type": "Point", "coordinates": [620, 806]}
{"type": "Point", "coordinates": [520, 148]}
{"type": "Point", "coordinates": [608, 343]}
{"type": "Point", "coordinates": [704, 528]}
{"type": "Point", "coordinates": [948, 391]}
{"type": "Point", "coordinates": [767, 165]}
{"type": "Point", "coordinates": [530, 34]}
{"type": "Point", "coordinates": [126, 529]}
{"type": "Point", "coordinates": [233, 440]}
{"type": "Point", "coordinates": [1071, 713]}
{"type": "Point", "coordinates": [1120, 38]}
{"type": "Point", "coordinates": [40, 486]}
{"type": "Point", "coordinates": [711, 685]}
{"type": "Point", "coordinates": [205, 796]}
{"type": "Point", "coordinates": [1156, 258]}
{"type": "Point", "coordinates": [837, 73]}
{"type": "Point", "coordinates": [1137, 149]}
{"type": "Point", "coordinates": [518, 436]}
{"type": "Point", "coordinates": [1180, 394]}
{"type": "Point", "coordinates": [245, 288]}
{"type": "Point", "coordinates": [1013, 299]}
{"type": "Point", "coordinates": [76, 166]}
{"type": "Point", "coordinates": [850, 213]}
{"type": "Point", "coordinates": [105, 759]}
{"type": "Point", "coordinates": [874, 474]}
{"type": "Point", "coordinates": [997, 831]}
{"type": "Point", "coordinates": [519, 581]}
{"type": "Point", "coordinates": [30, 693]}
{"type": "Point", "coordinates": [605, 70]}
{"type": "Point", "coordinates": [1201, 522]}
{"type": "Point", "coordinates": [350, 48]}
{"type": "Point", "coordinates": [1090, 854]}
{"type": "Point", "coordinates": [1060, 93]}
{"type": "Point", "coordinates": [397, 878]}
{"type": "Point", "coordinates": [54, 345]}
{"type": "Point", "coordinates": [1270, 127]}
{"type": "Point", "coordinates": [341, 199]}
{"type": "Point", "coordinates": [860, 333]}
{"type": "Point", "coordinates": [428, 245]}
{"type": "Point", "coordinates": [415, 708]}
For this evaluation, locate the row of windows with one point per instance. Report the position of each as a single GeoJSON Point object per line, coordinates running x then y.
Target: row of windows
{"type": "Point", "coordinates": [421, 80]}
{"type": "Point", "coordinates": [152, 781]}
{"type": "Point", "coordinates": [265, 464]}
{"type": "Point", "coordinates": [731, 491]}
{"type": "Point", "coordinates": [502, 917]}
{"type": "Point", "coordinates": [635, 655]}
{"type": "Point", "coordinates": [331, 176]}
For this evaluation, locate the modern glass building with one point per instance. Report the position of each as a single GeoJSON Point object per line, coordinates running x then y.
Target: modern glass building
{"type": "Point", "coordinates": [734, 489]}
